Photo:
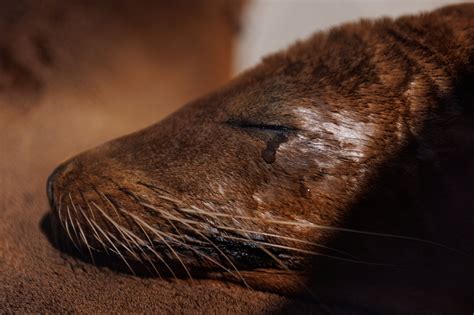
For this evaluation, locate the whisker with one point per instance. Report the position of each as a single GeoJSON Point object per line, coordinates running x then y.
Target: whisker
{"type": "Point", "coordinates": [157, 233]}
{"type": "Point", "coordinates": [135, 198]}
{"type": "Point", "coordinates": [281, 237]}
{"type": "Point", "coordinates": [119, 228]}
{"type": "Point", "coordinates": [302, 251]}
{"type": "Point", "coordinates": [201, 254]}
{"type": "Point", "coordinates": [121, 243]}
{"type": "Point", "coordinates": [286, 247]}
{"type": "Point", "coordinates": [109, 202]}
{"type": "Point", "coordinates": [127, 234]}
{"type": "Point", "coordinates": [59, 208]}
{"type": "Point", "coordinates": [322, 227]}
{"type": "Point", "coordinates": [150, 247]}
{"type": "Point", "coordinates": [153, 188]}
{"type": "Point", "coordinates": [54, 226]}
{"type": "Point", "coordinates": [89, 247]}
{"type": "Point", "coordinates": [150, 261]}
{"type": "Point", "coordinates": [67, 229]}
{"type": "Point", "coordinates": [175, 201]}
{"type": "Point", "coordinates": [117, 251]}
{"type": "Point", "coordinates": [70, 217]}
{"type": "Point", "coordinates": [94, 232]}
{"type": "Point", "coordinates": [307, 289]}
{"type": "Point", "coordinates": [81, 232]}
{"type": "Point", "coordinates": [212, 244]}
{"type": "Point", "coordinates": [87, 203]}
{"type": "Point", "coordinates": [97, 237]}
{"type": "Point", "coordinates": [136, 240]}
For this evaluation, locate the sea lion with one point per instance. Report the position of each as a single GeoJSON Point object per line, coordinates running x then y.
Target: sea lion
{"type": "Point", "coordinates": [353, 147]}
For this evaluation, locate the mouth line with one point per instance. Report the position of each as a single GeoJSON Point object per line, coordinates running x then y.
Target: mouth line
{"type": "Point", "coordinates": [244, 255]}
{"type": "Point", "coordinates": [199, 257]}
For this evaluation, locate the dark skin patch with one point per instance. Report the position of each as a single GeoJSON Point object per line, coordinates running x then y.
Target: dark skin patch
{"type": "Point", "coordinates": [272, 146]}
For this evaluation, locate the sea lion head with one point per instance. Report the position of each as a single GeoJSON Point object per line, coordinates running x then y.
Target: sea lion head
{"type": "Point", "coordinates": [259, 173]}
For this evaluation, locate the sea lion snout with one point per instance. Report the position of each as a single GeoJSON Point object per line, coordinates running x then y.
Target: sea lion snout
{"type": "Point", "coordinates": [193, 195]}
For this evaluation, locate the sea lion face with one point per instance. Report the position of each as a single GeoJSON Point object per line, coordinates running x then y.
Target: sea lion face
{"type": "Point", "coordinates": [258, 174]}
{"type": "Point", "coordinates": [234, 180]}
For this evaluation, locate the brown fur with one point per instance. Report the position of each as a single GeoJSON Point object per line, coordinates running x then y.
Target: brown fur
{"type": "Point", "coordinates": [365, 127]}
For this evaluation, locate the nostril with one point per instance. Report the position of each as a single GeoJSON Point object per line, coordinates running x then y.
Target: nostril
{"type": "Point", "coordinates": [51, 180]}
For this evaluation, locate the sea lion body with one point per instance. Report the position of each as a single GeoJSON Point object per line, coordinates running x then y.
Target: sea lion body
{"type": "Point", "coordinates": [353, 147]}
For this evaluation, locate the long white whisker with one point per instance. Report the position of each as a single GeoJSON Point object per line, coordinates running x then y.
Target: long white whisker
{"type": "Point", "coordinates": [183, 244]}
{"type": "Point", "coordinates": [74, 229]}
{"type": "Point", "coordinates": [169, 221]}
{"type": "Point", "coordinates": [94, 231]}
{"type": "Point", "coordinates": [89, 247]}
{"type": "Point", "coordinates": [119, 228]}
{"type": "Point", "coordinates": [282, 265]}
{"type": "Point", "coordinates": [210, 242]}
{"type": "Point", "coordinates": [317, 226]}
{"type": "Point", "coordinates": [302, 251]}
{"type": "Point", "coordinates": [286, 247]}
{"type": "Point", "coordinates": [150, 247]}
{"type": "Point", "coordinates": [158, 233]}
{"type": "Point", "coordinates": [81, 232]}
{"type": "Point", "coordinates": [139, 242]}
{"type": "Point", "coordinates": [116, 249]}
{"type": "Point", "coordinates": [280, 237]}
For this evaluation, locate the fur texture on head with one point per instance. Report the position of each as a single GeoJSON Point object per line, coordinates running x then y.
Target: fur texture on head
{"type": "Point", "coordinates": [360, 130]}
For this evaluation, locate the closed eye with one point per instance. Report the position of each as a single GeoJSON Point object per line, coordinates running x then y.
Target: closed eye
{"type": "Point", "coordinates": [259, 126]}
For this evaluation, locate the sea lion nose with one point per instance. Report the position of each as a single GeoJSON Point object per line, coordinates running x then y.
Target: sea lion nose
{"type": "Point", "coordinates": [52, 178]}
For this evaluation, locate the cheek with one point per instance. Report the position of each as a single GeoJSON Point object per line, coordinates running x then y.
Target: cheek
{"type": "Point", "coordinates": [226, 171]}
{"type": "Point", "coordinates": [310, 176]}
{"type": "Point", "coordinates": [286, 190]}
{"type": "Point", "coordinates": [301, 157]}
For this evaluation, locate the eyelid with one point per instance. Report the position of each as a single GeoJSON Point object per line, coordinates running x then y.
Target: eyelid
{"type": "Point", "coordinates": [260, 126]}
